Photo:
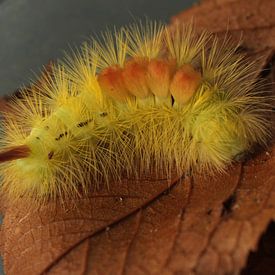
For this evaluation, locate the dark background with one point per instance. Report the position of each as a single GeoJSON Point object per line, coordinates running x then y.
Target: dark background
{"type": "Point", "coordinates": [33, 32]}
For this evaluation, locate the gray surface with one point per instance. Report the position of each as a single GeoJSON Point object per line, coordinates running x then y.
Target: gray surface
{"type": "Point", "coordinates": [34, 31]}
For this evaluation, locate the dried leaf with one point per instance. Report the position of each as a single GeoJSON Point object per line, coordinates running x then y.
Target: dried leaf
{"type": "Point", "coordinates": [46, 234]}
{"type": "Point", "coordinates": [200, 223]}
{"type": "Point", "coordinates": [253, 20]}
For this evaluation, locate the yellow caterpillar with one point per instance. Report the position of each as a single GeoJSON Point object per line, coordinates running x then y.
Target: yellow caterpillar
{"type": "Point", "coordinates": [143, 98]}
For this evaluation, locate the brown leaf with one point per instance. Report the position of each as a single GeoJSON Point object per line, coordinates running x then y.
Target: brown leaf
{"type": "Point", "coordinates": [200, 224]}
{"type": "Point", "coordinates": [254, 20]}
{"type": "Point", "coordinates": [188, 225]}
{"type": "Point", "coordinates": [45, 234]}
{"type": "Point", "coordinates": [232, 15]}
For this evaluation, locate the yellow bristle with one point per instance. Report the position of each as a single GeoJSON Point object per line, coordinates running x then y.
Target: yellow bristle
{"type": "Point", "coordinates": [145, 40]}
{"type": "Point", "coordinates": [183, 44]}
{"type": "Point", "coordinates": [111, 49]}
{"type": "Point", "coordinates": [81, 69]}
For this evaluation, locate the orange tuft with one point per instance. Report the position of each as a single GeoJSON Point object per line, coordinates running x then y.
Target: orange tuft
{"type": "Point", "coordinates": [160, 73]}
{"type": "Point", "coordinates": [14, 153]}
{"type": "Point", "coordinates": [134, 75]}
{"type": "Point", "coordinates": [185, 83]}
{"type": "Point", "coordinates": [112, 83]}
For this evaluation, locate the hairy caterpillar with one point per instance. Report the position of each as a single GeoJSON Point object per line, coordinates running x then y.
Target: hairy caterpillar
{"type": "Point", "coordinates": [143, 98]}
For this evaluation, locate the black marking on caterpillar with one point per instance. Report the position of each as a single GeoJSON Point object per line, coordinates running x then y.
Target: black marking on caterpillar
{"type": "Point", "coordinates": [84, 123]}
{"type": "Point", "coordinates": [61, 136]}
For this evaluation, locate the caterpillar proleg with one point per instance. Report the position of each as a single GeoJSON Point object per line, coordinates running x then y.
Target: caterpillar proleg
{"type": "Point", "coordinates": [141, 98]}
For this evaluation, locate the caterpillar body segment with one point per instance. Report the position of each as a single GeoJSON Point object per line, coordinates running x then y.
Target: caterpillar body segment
{"type": "Point", "coordinates": [143, 99]}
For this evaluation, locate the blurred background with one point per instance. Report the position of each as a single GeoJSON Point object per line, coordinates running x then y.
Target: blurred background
{"type": "Point", "coordinates": [33, 32]}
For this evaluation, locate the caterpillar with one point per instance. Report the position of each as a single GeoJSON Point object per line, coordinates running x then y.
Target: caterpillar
{"type": "Point", "coordinates": [142, 98]}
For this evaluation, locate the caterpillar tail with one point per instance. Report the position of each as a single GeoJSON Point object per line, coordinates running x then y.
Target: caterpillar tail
{"type": "Point", "coordinates": [143, 98]}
